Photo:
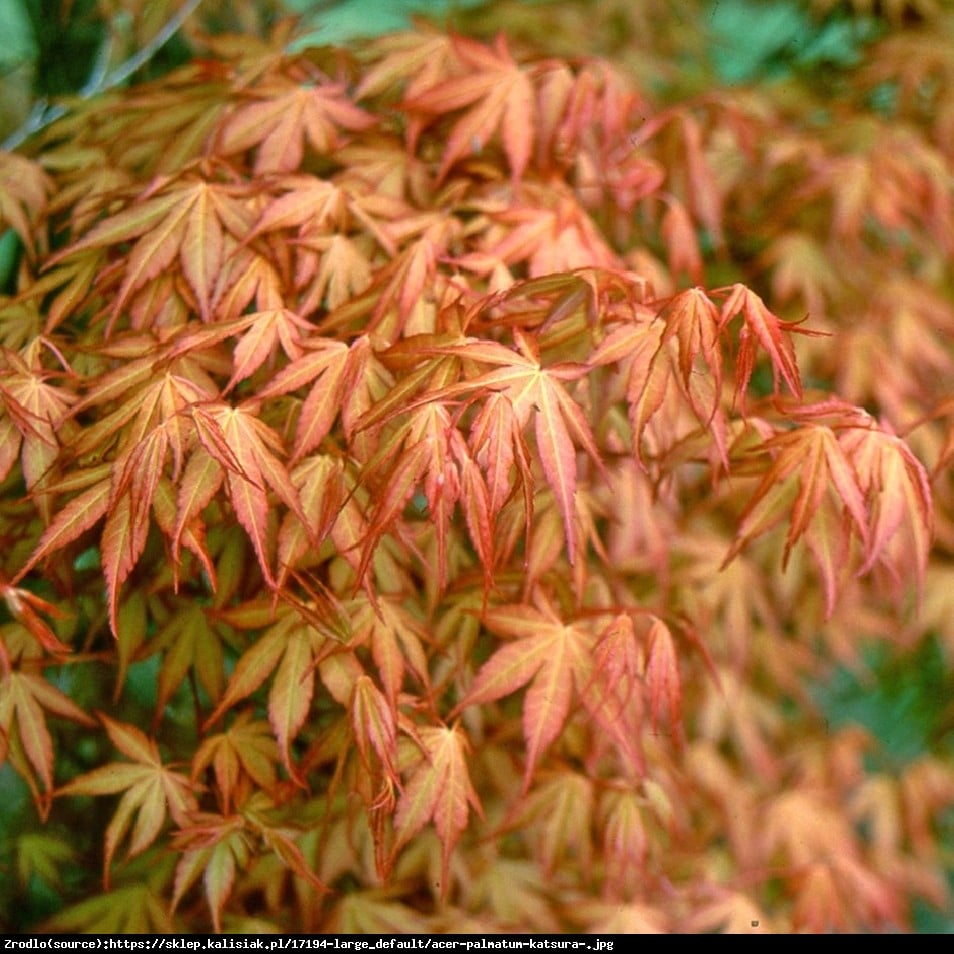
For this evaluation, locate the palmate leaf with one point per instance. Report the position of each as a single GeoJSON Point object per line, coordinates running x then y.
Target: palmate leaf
{"type": "Point", "coordinates": [531, 389]}
{"type": "Point", "coordinates": [214, 848]}
{"type": "Point", "coordinates": [500, 97]}
{"type": "Point", "coordinates": [267, 330]}
{"type": "Point", "coordinates": [423, 58]}
{"type": "Point", "coordinates": [24, 188]}
{"type": "Point", "coordinates": [244, 754]}
{"type": "Point", "coordinates": [551, 233]}
{"type": "Point", "coordinates": [673, 362]}
{"type": "Point", "coordinates": [152, 792]}
{"type": "Point", "coordinates": [254, 444]}
{"type": "Point", "coordinates": [614, 698]}
{"type": "Point", "coordinates": [35, 414]}
{"type": "Point", "coordinates": [558, 815]}
{"type": "Point", "coordinates": [899, 499]}
{"type": "Point", "coordinates": [189, 641]}
{"type": "Point", "coordinates": [185, 220]}
{"type": "Point", "coordinates": [841, 481]}
{"type": "Point", "coordinates": [370, 912]}
{"type": "Point", "coordinates": [219, 848]}
{"type": "Point", "coordinates": [430, 448]}
{"type": "Point", "coordinates": [761, 328]}
{"type": "Point", "coordinates": [554, 658]}
{"type": "Point", "coordinates": [663, 683]}
{"type": "Point", "coordinates": [138, 906]}
{"type": "Point", "coordinates": [810, 472]}
{"type": "Point", "coordinates": [291, 649]}
{"type": "Point", "coordinates": [438, 790]}
{"type": "Point", "coordinates": [45, 857]}
{"type": "Point", "coordinates": [26, 607]}
{"type": "Point", "coordinates": [282, 115]}
{"type": "Point", "coordinates": [375, 728]}
{"type": "Point", "coordinates": [326, 368]}
{"type": "Point", "coordinates": [25, 700]}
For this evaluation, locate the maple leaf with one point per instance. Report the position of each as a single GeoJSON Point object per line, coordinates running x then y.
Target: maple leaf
{"type": "Point", "coordinates": [501, 98]}
{"type": "Point", "coordinates": [25, 697]}
{"type": "Point", "coordinates": [189, 640]}
{"type": "Point", "coordinates": [34, 417]}
{"type": "Point", "coordinates": [151, 791]}
{"type": "Point", "coordinates": [245, 753]}
{"type": "Point", "coordinates": [185, 219]}
{"type": "Point", "coordinates": [614, 697]}
{"type": "Point", "coordinates": [25, 607]}
{"type": "Point", "coordinates": [423, 58]}
{"type": "Point", "coordinates": [553, 657]}
{"type": "Point", "coordinates": [344, 271]}
{"type": "Point", "coordinates": [559, 422]}
{"type": "Point", "coordinates": [243, 446]}
{"type": "Point", "coordinates": [439, 790]}
{"type": "Point", "coordinates": [44, 857]}
{"type": "Point", "coordinates": [282, 114]}
{"type": "Point", "coordinates": [371, 912]}
{"type": "Point", "coordinates": [375, 727]}
{"type": "Point", "coordinates": [559, 814]}
{"type": "Point", "coordinates": [427, 458]}
{"type": "Point", "coordinates": [662, 676]}
{"type": "Point", "coordinates": [327, 368]}
{"type": "Point", "coordinates": [268, 329]}
{"type": "Point", "coordinates": [291, 649]}
{"type": "Point", "coordinates": [396, 640]}
{"type": "Point", "coordinates": [213, 847]}
{"type": "Point", "coordinates": [625, 840]}
{"type": "Point", "coordinates": [140, 906]}
{"type": "Point", "coordinates": [761, 327]}
{"type": "Point", "coordinates": [692, 319]}
{"type": "Point", "coordinates": [810, 473]}
{"type": "Point", "coordinates": [406, 282]}
{"type": "Point", "coordinates": [551, 232]}
{"type": "Point", "coordinates": [802, 266]}
{"type": "Point", "coordinates": [898, 496]}
{"type": "Point", "coordinates": [24, 188]}
{"type": "Point", "coordinates": [320, 482]}
{"type": "Point", "coordinates": [638, 347]}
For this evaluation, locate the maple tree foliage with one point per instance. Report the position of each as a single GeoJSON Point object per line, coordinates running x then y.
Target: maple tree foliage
{"type": "Point", "coordinates": [419, 417]}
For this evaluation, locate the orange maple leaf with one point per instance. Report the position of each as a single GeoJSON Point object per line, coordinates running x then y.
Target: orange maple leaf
{"type": "Point", "coordinates": [501, 98]}
{"type": "Point", "coordinates": [553, 657]}
{"type": "Point", "coordinates": [151, 791]}
{"type": "Point", "coordinates": [439, 790]}
{"type": "Point", "coordinates": [283, 114]}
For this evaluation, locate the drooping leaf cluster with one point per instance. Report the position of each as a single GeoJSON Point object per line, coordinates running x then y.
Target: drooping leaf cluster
{"type": "Point", "coordinates": [439, 424]}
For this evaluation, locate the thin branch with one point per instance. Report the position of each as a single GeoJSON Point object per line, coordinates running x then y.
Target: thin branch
{"type": "Point", "coordinates": [44, 114]}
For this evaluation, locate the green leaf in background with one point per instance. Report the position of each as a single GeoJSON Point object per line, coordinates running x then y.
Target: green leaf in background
{"type": "Point", "coordinates": [9, 256]}
{"type": "Point", "coordinates": [903, 702]}
{"type": "Point", "coordinates": [344, 20]}
{"type": "Point", "coordinates": [765, 39]}
{"type": "Point", "coordinates": [19, 45]}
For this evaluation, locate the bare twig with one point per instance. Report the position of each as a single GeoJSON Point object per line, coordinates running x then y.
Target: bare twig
{"type": "Point", "coordinates": [44, 113]}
